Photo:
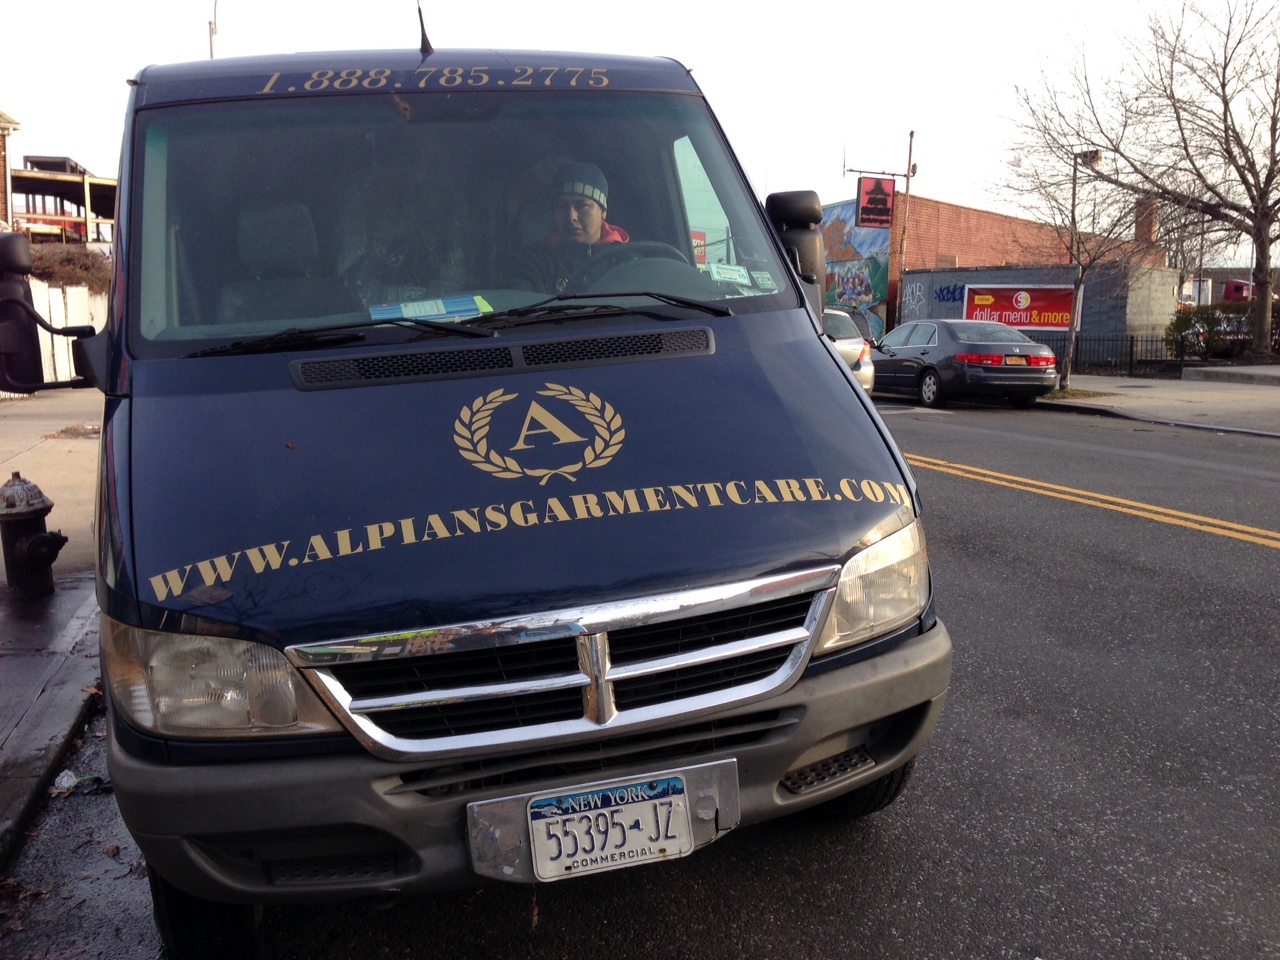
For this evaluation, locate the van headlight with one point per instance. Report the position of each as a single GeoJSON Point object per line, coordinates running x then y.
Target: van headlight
{"type": "Point", "coordinates": [179, 685]}
{"type": "Point", "coordinates": [884, 587]}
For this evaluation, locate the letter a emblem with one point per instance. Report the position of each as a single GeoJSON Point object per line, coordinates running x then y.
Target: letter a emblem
{"type": "Point", "coordinates": [549, 424]}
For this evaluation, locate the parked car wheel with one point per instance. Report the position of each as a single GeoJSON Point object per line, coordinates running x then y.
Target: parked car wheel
{"type": "Point", "coordinates": [931, 389]}
{"type": "Point", "coordinates": [195, 929]}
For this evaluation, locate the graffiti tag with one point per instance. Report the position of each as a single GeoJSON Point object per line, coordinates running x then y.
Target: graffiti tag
{"type": "Point", "coordinates": [951, 294]}
{"type": "Point", "coordinates": [912, 298]}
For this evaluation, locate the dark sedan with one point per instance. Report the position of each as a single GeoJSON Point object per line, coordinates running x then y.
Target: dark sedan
{"type": "Point", "coordinates": [937, 360]}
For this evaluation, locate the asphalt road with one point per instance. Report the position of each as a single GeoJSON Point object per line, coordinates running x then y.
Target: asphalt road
{"type": "Point", "coordinates": [1103, 783]}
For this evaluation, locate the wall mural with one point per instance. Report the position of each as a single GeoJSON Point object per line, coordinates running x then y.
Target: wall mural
{"type": "Point", "coordinates": [857, 264]}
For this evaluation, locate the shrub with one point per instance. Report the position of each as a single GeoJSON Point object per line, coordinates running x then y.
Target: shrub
{"type": "Point", "coordinates": [70, 265]}
{"type": "Point", "coordinates": [1218, 331]}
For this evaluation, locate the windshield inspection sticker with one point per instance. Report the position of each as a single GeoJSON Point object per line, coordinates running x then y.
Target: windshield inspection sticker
{"type": "Point", "coordinates": [763, 280]}
{"type": "Point", "coordinates": [729, 273]}
{"type": "Point", "coordinates": [448, 308]}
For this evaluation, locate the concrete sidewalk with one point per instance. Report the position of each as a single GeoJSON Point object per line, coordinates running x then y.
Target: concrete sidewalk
{"type": "Point", "coordinates": [51, 438]}
{"type": "Point", "coordinates": [48, 645]}
{"type": "Point", "coordinates": [1225, 399]}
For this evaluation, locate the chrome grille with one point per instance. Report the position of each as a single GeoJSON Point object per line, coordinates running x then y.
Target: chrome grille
{"type": "Point", "coordinates": [481, 716]}
{"type": "Point", "coordinates": [389, 678]}
{"type": "Point", "coordinates": [695, 681]}
{"type": "Point", "coordinates": [631, 644]}
{"type": "Point", "coordinates": [569, 674]}
{"type": "Point", "coordinates": [597, 759]}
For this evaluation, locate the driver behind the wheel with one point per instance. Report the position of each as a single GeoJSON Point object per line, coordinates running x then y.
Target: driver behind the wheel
{"type": "Point", "coordinates": [580, 209]}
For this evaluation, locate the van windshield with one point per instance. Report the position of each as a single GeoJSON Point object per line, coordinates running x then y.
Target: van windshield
{"type": "Point", "coordinates": [250, 218]}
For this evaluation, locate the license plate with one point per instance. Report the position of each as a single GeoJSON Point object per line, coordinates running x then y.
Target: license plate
{"type": "Point", "coordinates": [609, 827]}
{"type": "Point", "coordinates": [1015, 361]}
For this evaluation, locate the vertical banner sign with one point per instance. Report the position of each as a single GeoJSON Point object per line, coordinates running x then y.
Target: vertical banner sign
{"type": "Point", "coordinates": [699, 238]}
{"type": "Point", "coordinates": [875, 202]}
{"type": "Point", "coordinates": [1041, 308]}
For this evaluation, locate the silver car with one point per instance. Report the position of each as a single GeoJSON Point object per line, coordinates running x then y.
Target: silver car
{"type": "Point", "coordinates": [852, 345]}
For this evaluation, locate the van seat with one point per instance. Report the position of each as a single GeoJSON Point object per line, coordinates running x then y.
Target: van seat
{"type": "Point", "coordinates": [277, 243]}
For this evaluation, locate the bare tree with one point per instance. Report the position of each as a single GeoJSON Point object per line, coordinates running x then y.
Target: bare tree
{"type": "Point", "coordinates": [1195, 124]}
{"type": "Point", "coordinates": [1090, 223]}
{"type": "Point", "coordinates": [1190, 240]}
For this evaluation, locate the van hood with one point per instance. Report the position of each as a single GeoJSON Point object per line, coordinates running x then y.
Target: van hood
{"type": "Point", "coordinates": [304, 514]}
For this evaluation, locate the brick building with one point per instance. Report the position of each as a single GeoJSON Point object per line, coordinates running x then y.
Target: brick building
{"type": "Point", "coordinates": [949, 246]}
{"type": "Point", "coordinates": [944, 235]}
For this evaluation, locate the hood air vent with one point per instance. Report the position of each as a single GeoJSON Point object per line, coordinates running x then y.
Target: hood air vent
{"type": "Point", "coordinates": [457, 363]}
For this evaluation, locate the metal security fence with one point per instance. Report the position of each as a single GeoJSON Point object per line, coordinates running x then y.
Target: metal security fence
{"type": "Point", "coordinates": [1120, 355]}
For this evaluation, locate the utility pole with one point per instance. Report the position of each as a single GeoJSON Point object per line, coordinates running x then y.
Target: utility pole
{"type": "Point", "coordinates": [906, 210]}
{"type": "Point", "coordinates": [906, 205]}
{"type": "Point", "coordinates": [213, 28]}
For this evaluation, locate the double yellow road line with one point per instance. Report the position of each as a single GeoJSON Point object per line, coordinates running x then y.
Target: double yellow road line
{"type": "Point", "coordinates": [1192, 521]}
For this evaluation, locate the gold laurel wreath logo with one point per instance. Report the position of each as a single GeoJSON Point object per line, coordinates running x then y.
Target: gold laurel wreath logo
{"type": "Point", "coordinates": [471, 434]}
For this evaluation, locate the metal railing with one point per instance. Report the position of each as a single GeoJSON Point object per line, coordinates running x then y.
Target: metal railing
{"type": "Point", "coordinates": [1119, 355]}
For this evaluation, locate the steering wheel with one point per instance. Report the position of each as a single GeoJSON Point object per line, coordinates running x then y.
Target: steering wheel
{"type": "Point", "coordinates": [611, 256]}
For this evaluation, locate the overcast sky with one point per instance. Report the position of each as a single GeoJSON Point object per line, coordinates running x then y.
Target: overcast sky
{"type": "Point", "coordinates": [800, 99]}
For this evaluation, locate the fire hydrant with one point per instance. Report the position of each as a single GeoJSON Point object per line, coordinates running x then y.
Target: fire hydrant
{"type": "Point", "coordinates": [29, 549]}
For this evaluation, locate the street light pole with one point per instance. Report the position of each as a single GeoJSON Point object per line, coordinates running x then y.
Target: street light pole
{"type": "Point", "coordinates": [213, 28]}
{"type": "Point", "coordinates": [1090, 158]}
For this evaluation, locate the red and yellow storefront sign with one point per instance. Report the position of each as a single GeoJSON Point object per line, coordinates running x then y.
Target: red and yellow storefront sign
{"type": "Point", "coordinates": [1044, 308]}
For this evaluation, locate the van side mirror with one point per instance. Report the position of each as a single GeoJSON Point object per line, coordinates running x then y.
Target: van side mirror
{"type": "Point", "coordinates": [15, 254]}
{"type": "Point", "coordinates": [21, 362]}
{"type": "Point", "coordinates": [795, 215]}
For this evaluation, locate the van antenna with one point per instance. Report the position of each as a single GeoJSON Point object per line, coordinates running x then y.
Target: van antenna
{"type": "Point", "coordinates": [426, 47]}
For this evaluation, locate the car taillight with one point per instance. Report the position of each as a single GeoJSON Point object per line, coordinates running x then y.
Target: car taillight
{"type": "Point", "coordinates": [1041, 361]}
{"type": "Point", "coordinates": [981, 359]}
{"type": "Point", "coordinates": [865, 355]}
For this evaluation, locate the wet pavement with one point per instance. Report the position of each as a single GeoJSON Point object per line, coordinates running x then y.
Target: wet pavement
{"type": "Point", "coordinates": [48, 645]}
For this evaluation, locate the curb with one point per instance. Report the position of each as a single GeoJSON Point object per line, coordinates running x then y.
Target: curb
{"type": "Point", "coordinates": [34, 751]}
{"type": "Point", "coordinates": [1220, 375]}
{"type": "Point", "coordinates": [1070, 406]}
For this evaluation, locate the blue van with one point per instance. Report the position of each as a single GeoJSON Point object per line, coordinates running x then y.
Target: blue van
{"type": "Point", "coordinates": [479, 496]}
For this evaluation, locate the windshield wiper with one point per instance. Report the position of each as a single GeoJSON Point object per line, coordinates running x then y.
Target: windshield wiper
{"type": "Point", "coordinates": [451, 327]}
{"type": "Point", "coordinates": [332, 336]}
{"type": "Point", "coordinates": [542, 311]}
{"type": "Point", "coordinates": [715, 309]}
{"type": "Point", "coordinates": [561, 307]}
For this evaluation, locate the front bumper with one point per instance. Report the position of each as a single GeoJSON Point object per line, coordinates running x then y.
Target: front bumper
{"type": "Point", "coordinates": [334, 827]}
